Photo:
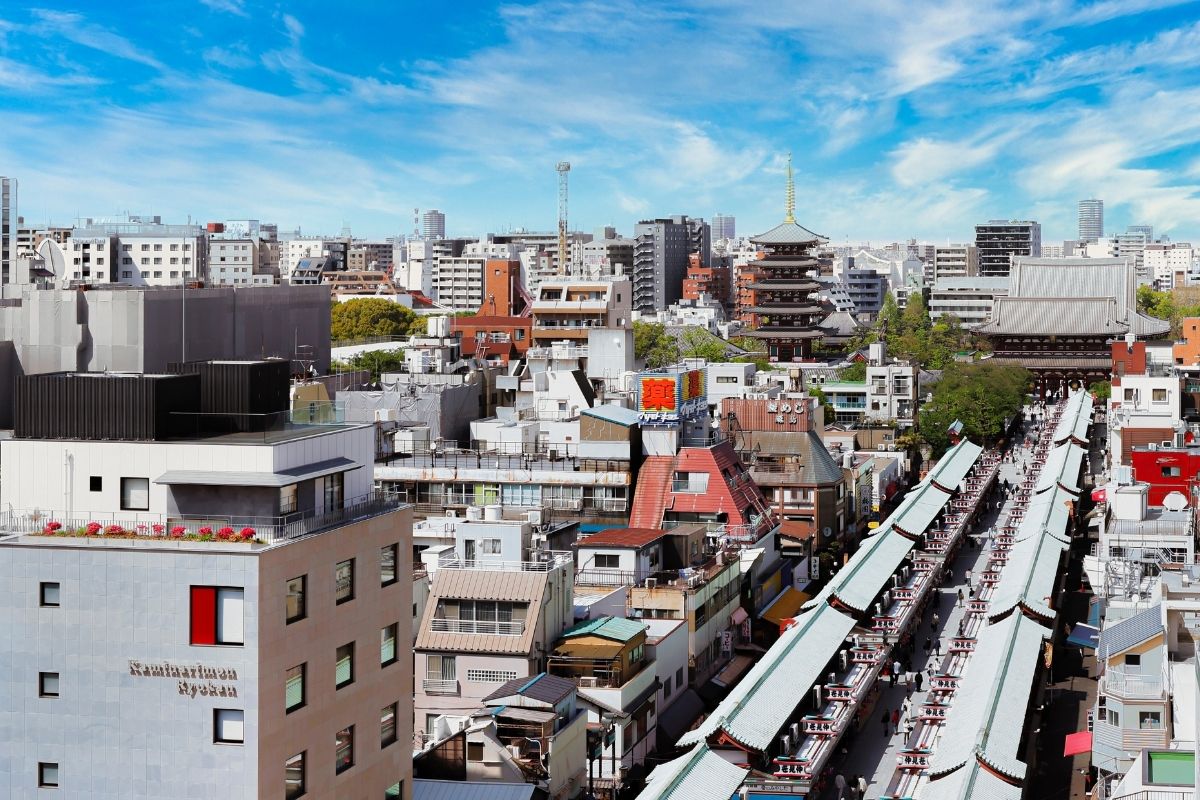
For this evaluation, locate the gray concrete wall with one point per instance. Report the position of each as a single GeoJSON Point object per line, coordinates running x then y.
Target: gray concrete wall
{"type": "Point", "coordinates": [144, 330]}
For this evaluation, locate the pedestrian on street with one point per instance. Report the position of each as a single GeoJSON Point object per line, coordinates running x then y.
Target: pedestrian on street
{"type": "Point", "coordinates": [897, 669]}
{"type": "Point", "coordinates": [937, 648]}
{"type": "Point", "coordinates": [896, 720]}
{"type": "Point", "coordinates": [884, 719]}
{"type": "Point", "coordinates": [908, 728]}
{"type": "Point", "coordinates": [928, 645]}
{"type": "Point", "coordinates": [909, 678]}
{"type": "Point", "coordinates": [960, 598]}
{"type": "Point", "coordinates": [919, 679]}
{"type": "Point", "coordinates": [862, 786]}
{"type": "Point", "coordinates": [892, 677]}
{"type": "Point", "coordinates": [840, 783]}
{"type": "Point", "coordinates": [936, 620]}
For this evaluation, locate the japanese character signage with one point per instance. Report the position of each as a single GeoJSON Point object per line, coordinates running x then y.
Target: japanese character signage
{"type": "Point", "coordinates": [962, 644]}
{"type": "Point", "coordinates": [903, 593]}
{"type": "Point", "coordinates": [838, 692]}
{"type": "Point", "coordinates": [819, 726]}
{"type": "Point", "coordinates": [977, 606]}
{"type": "Point", "coordinates": [913, 759]}
{"type": "Point", "coordinates": [864, 656]}
{"type": "Point", "coordinates": [943, 683]}
{"type": "Point", "coordinates": [670, 396]}
{"type": "Point", "coordinates": [933, 712]}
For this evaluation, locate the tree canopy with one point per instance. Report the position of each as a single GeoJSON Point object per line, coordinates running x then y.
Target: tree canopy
{"type": "Point", "coordinates": [653, 346]}
{"type": "Point", "coordinates": [699, 343]}
{"type": "Point", "coordinates": [980, 395]}
{"type": "Point", "coordinates": [364, 317]}
{"type": "Point", "coordinates": [1165, 306]}
{"type": "Point", "coordinates": [911, 335]}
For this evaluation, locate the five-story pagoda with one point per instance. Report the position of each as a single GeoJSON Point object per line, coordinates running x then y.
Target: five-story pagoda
{"type": "Point", "coordinates": [785, 298]}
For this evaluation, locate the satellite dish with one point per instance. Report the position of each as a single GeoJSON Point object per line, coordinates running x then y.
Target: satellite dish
{"type": "Point", "coordinates": [1175, 501]}
{"type": "Point", "coordinates": [55, 259]}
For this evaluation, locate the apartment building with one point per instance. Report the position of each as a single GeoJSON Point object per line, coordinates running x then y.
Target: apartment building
{"type": "Point", "coordinates": [968, 299]}
{"type": "Point", "coordinates": [138, 251]}
{"type": "Point", "coordinates": [660, 259]}
{"type": "Point", "coordinates": [1168, 263]}
{"type": "Point", "coordinates": [999, 240]}
{"type": "Point", "coordinates": [301, 248]}
{"type": "Point", "coordinates": [498, 601]}
{"type": "Point", "coordinates": [235, 262]}
{"type": "Point", "coordinates": [234, 603]}
{"type": "Point", "coordinates": [955, 261]}
{"type": "Point", "coordinates": [570, 309]}
{"type": "Point", "coordinates": [8, 230]}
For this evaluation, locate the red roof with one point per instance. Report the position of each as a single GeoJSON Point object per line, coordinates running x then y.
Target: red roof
{"type": "Point", "coordinates": [623, 537]}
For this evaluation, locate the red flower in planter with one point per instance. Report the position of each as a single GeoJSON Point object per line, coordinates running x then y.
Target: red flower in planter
{"type": "Point", "coordinates": [92, 528]}
{"type": "Point", "coordinates": [247, 534]}
{"type": "Point", "coordinates": [52, 527]}
{"type": "Point", "coordinates": [206, 531]}
{"type": "Point", "coordinates": [178, 531]}
{"type": "Point", "coordinates": [113, 530]}
{"type": "Point", "coordinates": [158, 529]}
{"type": "Point", "coordinates": [225, 534]}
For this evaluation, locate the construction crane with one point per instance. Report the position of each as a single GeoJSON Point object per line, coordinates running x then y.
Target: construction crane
{"type": "Point", "coordinates": [563, 168]}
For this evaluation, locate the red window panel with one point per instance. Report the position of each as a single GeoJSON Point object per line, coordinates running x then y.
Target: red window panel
{"type": "Point", "coordinates": [204, 615]}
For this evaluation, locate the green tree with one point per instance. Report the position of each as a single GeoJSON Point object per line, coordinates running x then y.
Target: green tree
{"type": "Point", "coordinates": [699, 343]}
{"type": "Point", "coordinates": [980, 395]}
{"type": "Point", "coordinates": [653, 346]}
{"type": "Point", "coordinates": [1101, 390]}
{"type": "Point", "coordinates": [816, 392]}
{"type": "Point", "coordinates": [855, 373]}
{"type": "Point", "coordinates": [364, 317]}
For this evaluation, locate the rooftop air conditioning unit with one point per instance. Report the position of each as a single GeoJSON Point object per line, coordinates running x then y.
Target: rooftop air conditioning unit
{"type": "Point", "coordinates": [785, 743]}
{"type": "Point", "coordinates": [844, 659]}
{"type": "Point", "coordinates": [795, 731]}
{"type": "Point", "coordinates": [451, 513]}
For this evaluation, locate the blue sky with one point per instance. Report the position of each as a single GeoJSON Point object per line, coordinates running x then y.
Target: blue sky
{"type": "Point", "coordinates": [904, 118]}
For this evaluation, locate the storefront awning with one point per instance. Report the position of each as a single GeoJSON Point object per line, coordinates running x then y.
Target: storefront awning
{"type": "Point", "coordinates": [1084, 636]}
{"type": "Point", "coordinates": [785, 605]}
{"type": "Point", "coordinates": [734, 671]}
{"type": "Point", "coordinates": [1077, 743]}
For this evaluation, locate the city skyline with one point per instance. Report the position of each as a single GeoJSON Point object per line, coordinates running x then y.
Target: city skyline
{"type": "Point", "coordinates": [312, 118]}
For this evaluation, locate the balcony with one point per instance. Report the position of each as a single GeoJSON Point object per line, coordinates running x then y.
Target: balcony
{"type": "Point", "coordinates": [158, 528]}
{"type": "Point", "coordinates": [477, 626]}
{"type": "Point", "coordinates": [1119, 683]}
{"type": "Point", "coordinates": [1129, 740]}
{"type": "Point", "coordinates": [431, 686]}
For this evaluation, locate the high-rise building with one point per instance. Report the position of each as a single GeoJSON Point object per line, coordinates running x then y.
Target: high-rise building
{"type": "Point", "coordinates": [1091, 220]}
{"type": "Point", "coordinates": [433, 224]}
{"type": "Point", "coordinates": [723, 227]}
{"type": "Point", "coordinates": [1145, 230]}
{"type": "Point", "coordinates": [660, 259]}
{"type": "Point", "coordinates": [999, 240]}
{"type": "Point", "coordinates": [8, 229]}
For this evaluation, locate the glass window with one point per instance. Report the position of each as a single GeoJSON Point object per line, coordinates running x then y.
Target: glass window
{"type": "Point", "coordinates": [295, 598]}
{"type": "Point", "coordinates": [343, 752]}
{"type": "Point", "coordinates": [48, 684]}
{"type": "Point", "coordinates": [288, 499]}
{"type": "Point", "coordinates": [344, 581]}
{"type": "Point", "coordinates": [48, 774]}
{"type": "Point", "coordinates": [293, 777]}
{"type": "Point", "coordinates": [135, 494]}
{"type": "Point", "coordinates": [96, 483]}
{"type": "Point", "coordinates": [608, 561]}
{"type": "Point", "coordinates": [218, 615]}
{"type": "Point", "coordinates": [440, 668]}
{"type": "Point", "coordinates": [50, 593]}
{"type": "Point", "coordinates": [344, 668]}
{"type": "Point", "coordinates": [388, 556]}
{"type": "Point", "coordinates": [1158, 395]}
{"type": "Point", "coordinates": [387, 724]}
{"type": "Point", "coordinates": [489, 547]}
{"type": "Point", "coordinates": [1150, 720]}
{"type": "Point", "coordinates": [293, 688]}
{"type": "Point", "coordinates": [229, 726]}
{"type": "Point", "coordinates": [387, 644]}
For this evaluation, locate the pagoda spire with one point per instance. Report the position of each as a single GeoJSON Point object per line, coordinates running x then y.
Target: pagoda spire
{"type": "Point", "coordinates": [791, 193]}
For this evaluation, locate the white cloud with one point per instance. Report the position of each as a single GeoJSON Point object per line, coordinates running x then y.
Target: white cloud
{"type": "Point", "coordinates": [75, 28]}
{"type": "Point", "coordinates": [237, 7]}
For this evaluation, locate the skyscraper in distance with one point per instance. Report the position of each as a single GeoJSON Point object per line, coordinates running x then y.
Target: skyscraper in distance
{"type": "Point", "coordinates": [1091, 220]}
{"type": "Point", "coordinates": [433, 224]}
{"type": "Point", "coordinates": [723, 227]}
{"type": "Point", "coordinates": [8, 229]}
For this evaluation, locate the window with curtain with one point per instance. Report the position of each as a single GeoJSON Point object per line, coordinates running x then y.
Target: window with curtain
{"type": "Point", "coordinates": [343, 581]}
{"type": "Point", "coordinates": [229, 725]}
{"type": "Point", "coordinates": [294, 688]}
{"type": "Point", "coordinates": [344, 668]}
{"type": "Point", "coordinates": [217, 615]}
{"type": "Point", "coordinates": [295, 598]}
{"type": "Point", "coordinates": [441, 668]}
{"type": "Point", "coordinates": [135, 494]}
{"type": "Point", "coordinates": [389, 556]}
{"type": "Point", "coordinates": [387, 644]}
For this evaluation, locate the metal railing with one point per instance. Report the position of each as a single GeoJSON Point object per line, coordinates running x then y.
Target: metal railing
{"type": "Point", "coordinates": [170, 527]}
{"type": "Point", "coordinates": [1157, 794]}
{"type": "Point", "coordinates": [432, 686]}
{"type": "Point", "coordinates": [553, 560]}
{"type": "Point", "coordinates": [1123, 684]}
{"type": "Point", "coordinates": [484, 627]}
{"type": "Point", "coordinates": [598, 576]}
